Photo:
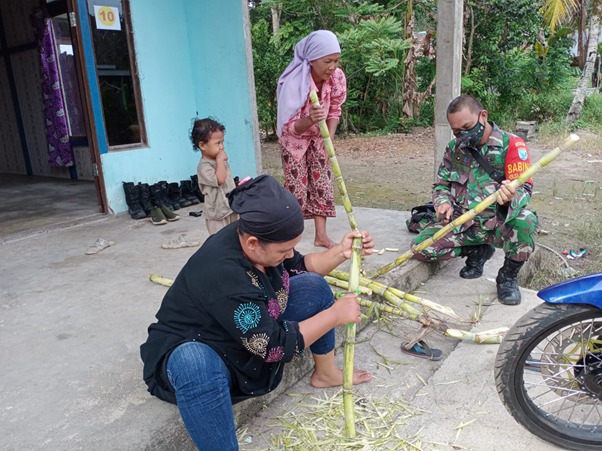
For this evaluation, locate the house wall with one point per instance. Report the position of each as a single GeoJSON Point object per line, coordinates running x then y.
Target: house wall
{"type": "Point", "coordinates": [191, 59]}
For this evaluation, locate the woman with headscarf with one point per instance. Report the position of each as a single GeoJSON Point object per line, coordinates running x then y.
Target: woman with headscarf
{"type": "Point", "coordinates": [307, 170]}
{"type": "Point", "coordinates": [245, 304]}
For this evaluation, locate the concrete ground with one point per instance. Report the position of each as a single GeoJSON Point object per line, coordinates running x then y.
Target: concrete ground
{"type": "Point", "coordinates": [33, 203]}
{"type": "Point", "coordinates": [71, 326]}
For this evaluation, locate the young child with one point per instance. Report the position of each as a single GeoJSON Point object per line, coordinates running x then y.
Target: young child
{"type": "Point", "coordinates": [215, 178]}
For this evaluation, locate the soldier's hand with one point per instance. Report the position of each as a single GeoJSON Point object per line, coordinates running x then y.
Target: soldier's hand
{"type": "Point", "coordinates": [444, 212]}
{"type": "Point", "coordinates": [507, 192]}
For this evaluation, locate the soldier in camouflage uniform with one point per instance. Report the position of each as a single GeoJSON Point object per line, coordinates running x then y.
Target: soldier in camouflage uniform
{"type": "Point", "coordinates": [462, 183]}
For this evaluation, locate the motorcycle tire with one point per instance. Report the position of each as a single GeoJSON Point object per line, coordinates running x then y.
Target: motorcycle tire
{"type": "Point", "coordinates": [513, 374]}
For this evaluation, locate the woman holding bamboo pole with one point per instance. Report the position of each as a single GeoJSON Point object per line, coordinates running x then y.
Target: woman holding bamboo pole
{"type": "Point", "coordinates": [307, 169]}
{"type": "Point", "coordinates": [245, 304]}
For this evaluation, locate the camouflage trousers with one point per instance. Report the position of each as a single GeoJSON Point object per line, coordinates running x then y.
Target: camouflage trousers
{"type": "Point", "coordinates": [516, 238]}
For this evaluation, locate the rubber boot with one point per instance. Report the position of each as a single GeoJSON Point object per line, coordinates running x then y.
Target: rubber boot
{"type": "Point", "coordinates": [169, 215]}
{"type": "Point", "coordinates": [507, 282]}
{"type": "Point", "coordinates": [159, 201]}
{"type": "Point", "coordinates": [132, 199]}
{"type": "Point", "coordinates": [186, 188]}
{"type": "Point", "coordinates": [165, 196]}
{"type": "Point", "coordinates": [196, 189]}
{"type": "Point", "coordinates": [175, 195]}
{"type": "Point", "coordinates": [157, 217]}
{"type": "Point", "coordinates": [476, 256]}
{"type": "Point", "coordinates": [145, 197]}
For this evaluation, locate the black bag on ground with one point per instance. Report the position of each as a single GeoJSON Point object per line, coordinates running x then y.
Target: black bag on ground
{"type": "Point", "coordinates": [420, 216]}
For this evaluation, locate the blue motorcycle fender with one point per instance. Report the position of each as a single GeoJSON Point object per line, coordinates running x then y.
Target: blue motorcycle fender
{"type": "Point", "coordinates": [581, 290]}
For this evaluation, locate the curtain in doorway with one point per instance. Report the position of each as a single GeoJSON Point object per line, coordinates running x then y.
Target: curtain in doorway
{"type": "Point", "coordinates": [60, 152]}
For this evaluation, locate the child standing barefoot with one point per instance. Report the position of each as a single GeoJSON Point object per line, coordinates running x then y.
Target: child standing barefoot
{"type": "Point", "coordinates": [215, 178]}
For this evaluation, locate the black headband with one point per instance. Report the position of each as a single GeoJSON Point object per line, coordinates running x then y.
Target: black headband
{"type": "Point", "coordinates": [267, 210]}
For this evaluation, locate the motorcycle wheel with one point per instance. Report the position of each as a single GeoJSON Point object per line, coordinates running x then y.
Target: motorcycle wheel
{"type": "Point", "coordinates": [548, 373]}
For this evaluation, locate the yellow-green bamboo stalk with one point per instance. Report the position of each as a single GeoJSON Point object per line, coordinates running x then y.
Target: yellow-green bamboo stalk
{"type": "Point", "coordinates": [344, 285]}
{"type": "Point", "coordinates": [354, 275]}
{"type": "Point", "coordinates": [379, 288]}
{"type": "Point", "coordinates": [160, 280]}
{"type": "Point", "coordinates": [410, 312]}
{"type": "Point", "coordinates": [493, 336]}
{"type": "Point", "coordinates": [545, 160]}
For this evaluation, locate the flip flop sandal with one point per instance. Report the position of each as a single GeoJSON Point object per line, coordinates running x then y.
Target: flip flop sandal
{"type": "Point", "coordinates": [423, 351]}
{"type": "Point", "coordinates": [179, 243]}
{"type": "Point", "coordinates": [100, 245]}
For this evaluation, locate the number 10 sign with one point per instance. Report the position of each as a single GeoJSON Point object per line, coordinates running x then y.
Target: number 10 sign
{"type": "Point", "coordinates": [107, 18]}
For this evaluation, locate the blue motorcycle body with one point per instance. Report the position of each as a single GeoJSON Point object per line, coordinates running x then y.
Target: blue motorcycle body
{"type": "Point", "coordinates": [581, 290]}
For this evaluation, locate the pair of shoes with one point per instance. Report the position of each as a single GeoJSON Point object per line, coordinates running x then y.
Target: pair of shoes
{"type": "Point", "coordinates": [161, 214]}
{"type": "Point", "coordinates": [179, 243]}
{"type": "Point", "coordinates": [507, 282]}
{"type": "Point", "coordinates": [476, 256]}
{"type": "Point", "coordinates": [180, 196]}
{"type": "Point", "coordinates": [196, 189]}
{"type": "Point", "coordinates": [423, 351]}
{"type": "Point", "coordinates": [99, 245]}
{"type": "Point", "coordinates": [187, 189]}
{"type": "Point", "coordinates": [133, 200]}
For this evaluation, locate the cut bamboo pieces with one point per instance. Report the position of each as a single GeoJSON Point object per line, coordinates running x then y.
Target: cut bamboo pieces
{"type": "Point", "coordinates": [545, 160]}
{"type": "Point", "coordinates": [354, 276]}
{"type": "Point", "coordinates": [493, 336]}
{"type": "Point", "coordinates": [398, 295]}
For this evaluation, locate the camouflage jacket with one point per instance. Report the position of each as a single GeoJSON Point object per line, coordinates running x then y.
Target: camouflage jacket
{"type": "Point", "coordinates": [463, 183]}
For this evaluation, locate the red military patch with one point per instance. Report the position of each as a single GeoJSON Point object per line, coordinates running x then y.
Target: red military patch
{"type": "Point", "coordinates": [518, 159]}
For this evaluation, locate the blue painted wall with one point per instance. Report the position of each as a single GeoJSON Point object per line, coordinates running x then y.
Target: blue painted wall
{"type": "Point", "coordinates": [191, 57]}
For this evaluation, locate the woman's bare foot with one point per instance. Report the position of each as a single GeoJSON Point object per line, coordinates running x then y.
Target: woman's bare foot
{"type": "Point", "coordinates": [324, 242]}
{"type": "Point", "coordinates": [323, 380]}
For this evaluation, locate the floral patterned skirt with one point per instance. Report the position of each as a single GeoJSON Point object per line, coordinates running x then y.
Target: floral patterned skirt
{"type": "Point", "coordinates": [310, 181]}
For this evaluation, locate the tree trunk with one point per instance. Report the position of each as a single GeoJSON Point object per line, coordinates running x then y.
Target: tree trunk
{"type": "Point", "coordinates": [581, 42]}
{"type": "Point", "coordinates": [470, 43]}
{"type": "Point", "coordinates": [276, 18]}
{"type": "Point", "coordinates": [586, 74]}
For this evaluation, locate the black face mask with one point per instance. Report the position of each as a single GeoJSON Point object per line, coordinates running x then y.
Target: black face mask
{"type": "Point", "coordinates": [473, 136]}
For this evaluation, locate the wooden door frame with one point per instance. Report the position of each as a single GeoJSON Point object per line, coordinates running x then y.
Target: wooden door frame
{"type": "Point", "coordinates": [83, 67]}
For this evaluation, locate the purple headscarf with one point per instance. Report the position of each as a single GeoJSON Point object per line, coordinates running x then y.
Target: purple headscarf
{"type": "Point", "coordinates": [294, 83]}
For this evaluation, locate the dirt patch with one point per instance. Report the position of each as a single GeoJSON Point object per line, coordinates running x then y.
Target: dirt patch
{"type": "Point", "coordinates": [396, 172]}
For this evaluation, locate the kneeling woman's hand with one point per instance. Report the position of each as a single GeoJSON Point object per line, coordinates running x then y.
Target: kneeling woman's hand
{"type": "Point", "coordinates": [347, 243]}
{"type": "Point", "coordinates": [347, 310]}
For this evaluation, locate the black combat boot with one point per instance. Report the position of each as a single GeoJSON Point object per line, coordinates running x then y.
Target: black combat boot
{"type": "Point", "coordinates": [476, 256]}
{"type": "Point", "coordinates": [186, 188]}
{"type": "Point", "coordinates": [196, 189]}
{"type": "Point", "coordinates": [175, 195]}
{"type": "Point", "coordinates": [156, 195]}
{"type": "Point", "coordinates": [165, 196]}
{"type": "Point", "coordinates": [132, 199]}
{"type": "Point", "coordinates": [145, 197]}
{"type": "Point", "coordinates": [507, 282]}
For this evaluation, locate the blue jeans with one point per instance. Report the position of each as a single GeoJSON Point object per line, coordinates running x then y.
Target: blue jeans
{"type": "Point", "coordinates": [202, 381]}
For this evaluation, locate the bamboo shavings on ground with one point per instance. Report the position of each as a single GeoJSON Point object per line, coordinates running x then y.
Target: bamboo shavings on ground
{"type": "Point", "coordinates": [315, 424]}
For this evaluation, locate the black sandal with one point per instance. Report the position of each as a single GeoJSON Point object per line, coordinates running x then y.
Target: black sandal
{"type": "Point", "coordinates": [423, 351]}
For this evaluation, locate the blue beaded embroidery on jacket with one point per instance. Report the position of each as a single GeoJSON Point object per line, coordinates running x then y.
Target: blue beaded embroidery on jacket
{"type": "Point", "coordinates": [247, 316]}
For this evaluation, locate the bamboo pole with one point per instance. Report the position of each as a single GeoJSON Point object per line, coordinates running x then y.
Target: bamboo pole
{"type": "Point", "coordinates": [544, 161]}
{"type": "Point", "coordinates": [493, 336]}
{"type": "Point", "coordinates": [354, 275]}
{"type": "Point", "coordinates": [380, 288]}
{"type": "Point", "coordinates": [408, 313]}
{"type": "Point", "coordinates": [484, 337]}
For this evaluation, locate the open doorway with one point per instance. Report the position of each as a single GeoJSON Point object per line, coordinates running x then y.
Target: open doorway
{"type": "Point", "coordinates": [48, 170]}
